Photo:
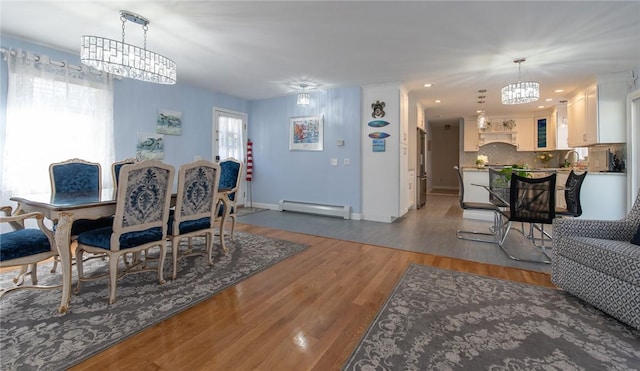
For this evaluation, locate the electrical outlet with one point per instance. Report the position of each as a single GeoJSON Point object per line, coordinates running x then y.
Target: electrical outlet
{"type": "Point", "coordinates": [334, 161]}
{"type": "Point", "coordinates": [346, 161]}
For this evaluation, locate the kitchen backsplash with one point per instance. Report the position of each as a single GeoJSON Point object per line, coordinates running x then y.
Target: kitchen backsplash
{"type": "Point", "coordinates": [506, 154]}
{"type": "Point", "coordinates": [609, 157]}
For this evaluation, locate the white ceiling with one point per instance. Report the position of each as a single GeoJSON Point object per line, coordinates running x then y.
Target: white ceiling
{"type": "Point", "coordinates": [263, 49]}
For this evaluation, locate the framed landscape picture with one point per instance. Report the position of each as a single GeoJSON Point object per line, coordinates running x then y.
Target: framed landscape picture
{"type": "Point", "coordinates": [306, 133]}
{"type": "Point", "coordinates": [169, 122]}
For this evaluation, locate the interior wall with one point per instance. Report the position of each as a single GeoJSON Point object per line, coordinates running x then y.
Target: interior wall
{"type": "Point", "coordinates": [444, 154]}
{"type": "Point", "coordinates": [307, 176]}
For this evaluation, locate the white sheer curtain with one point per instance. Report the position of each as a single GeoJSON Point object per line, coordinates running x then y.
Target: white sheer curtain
{"type": "Point", "coordinates": [54, 112]}
{"type": "Point", "coordinates": [230, 140]}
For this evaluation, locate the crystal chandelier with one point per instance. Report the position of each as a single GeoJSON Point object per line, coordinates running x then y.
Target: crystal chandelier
{"type": "Point", "coordinates": [303, 98]}
{"type": "Point", "coordinates": [127, 60]}
{"type": "Point", "coordinates": [482, 116]}
{"type": "Point", "coordinates": [522, 91]}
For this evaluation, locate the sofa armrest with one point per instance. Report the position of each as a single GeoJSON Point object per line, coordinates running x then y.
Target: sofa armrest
{"type": "Point", "coordinates": [621, 230]}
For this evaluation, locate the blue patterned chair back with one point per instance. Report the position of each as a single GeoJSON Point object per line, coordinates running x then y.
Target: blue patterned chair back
{"type": "Point", "coordinates": [115, 169]}
{"type": "Point", "coordinates": [230, 172]}
{"type": "Point", "coordinates": [143, 201]}
{"type": "Point", "coordinates": [196, 199]}
{"type": "Point", "coordinates": [75, 176]}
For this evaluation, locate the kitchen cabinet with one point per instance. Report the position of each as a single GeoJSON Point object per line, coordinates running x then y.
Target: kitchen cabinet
{"type": "Point", "coordinates": [524, 127]}
{"type": "Point", "coordinates": [420, 116]}
{"type": "Point", "coordinates": [597, 114]}
{"type": "Point", "coordinates": [545, 132]}
{"type": "Point", "coordinates": [559, 115]}
{"type": "Point", "coordinates": [576, 111]}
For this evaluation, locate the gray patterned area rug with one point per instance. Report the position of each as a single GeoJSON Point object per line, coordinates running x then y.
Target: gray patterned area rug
{"type": "Point", "coordinates": [34, 336]}
{"type": "Point", "coordinates": [438, 319]}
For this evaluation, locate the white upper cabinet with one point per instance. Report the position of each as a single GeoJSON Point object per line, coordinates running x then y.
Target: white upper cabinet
{"type": "Point", "coordinates": [559, 115]}
{"type": "Point", "coordinates": [524, 127]}
{"type": "Point", "coordinates": [577, 111]}
{"type": "Point", "coordinates": [597, 114]}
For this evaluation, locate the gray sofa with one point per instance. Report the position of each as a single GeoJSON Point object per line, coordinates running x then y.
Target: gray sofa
{"type": "Point", "coordinates": [595, 261]}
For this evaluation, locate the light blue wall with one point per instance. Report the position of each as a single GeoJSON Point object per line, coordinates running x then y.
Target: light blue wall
{"type": "Point", "coordinates": [308, 176]}
{"type": "Point", "coordinates": [278, 172]}
{"type": "Point", "coordinates": [136, 104]}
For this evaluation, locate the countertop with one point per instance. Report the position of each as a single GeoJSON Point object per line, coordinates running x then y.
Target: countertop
{"type": "Point", "coordinates": [559, 169]}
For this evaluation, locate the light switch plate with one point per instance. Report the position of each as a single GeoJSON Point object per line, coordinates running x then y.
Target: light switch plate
{"type": "Point", "coordinates": [334, 161]}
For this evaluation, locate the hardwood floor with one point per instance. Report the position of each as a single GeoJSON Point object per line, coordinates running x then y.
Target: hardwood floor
{"type": "Point", "coordinates": [305, 313]}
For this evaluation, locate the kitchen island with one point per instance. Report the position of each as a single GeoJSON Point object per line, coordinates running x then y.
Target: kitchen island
{"type": "Point", "coordinates": [603, 194]}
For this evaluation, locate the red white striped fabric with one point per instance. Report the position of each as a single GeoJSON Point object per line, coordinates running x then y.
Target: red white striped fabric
{"type": "Point", "coordinates": [249, 160]}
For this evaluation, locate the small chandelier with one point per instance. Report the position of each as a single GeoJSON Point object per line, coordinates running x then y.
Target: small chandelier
{"type": "Point", "coordinates": [127, 60]}
{"type": "Point", "coordinates": [522, 91]}
{"type": "Point", "coordinates": [482, 116]}
{"type": "Point", "coordinates": [303, 98]}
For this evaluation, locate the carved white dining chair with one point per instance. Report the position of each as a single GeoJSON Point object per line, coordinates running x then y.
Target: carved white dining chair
{"type": "Point", "coordinates": [139, 224]}
{"type": "Point", "coordinates": [195, 211]}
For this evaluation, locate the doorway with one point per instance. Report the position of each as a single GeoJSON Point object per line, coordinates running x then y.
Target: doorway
{"type": "Point", "coordinates": [443, 154]}
{"type": "Point", "coordinates": [230, 140]}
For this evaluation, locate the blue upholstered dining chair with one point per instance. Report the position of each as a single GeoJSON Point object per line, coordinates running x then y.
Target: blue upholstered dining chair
{"type": "Point", "coordinates": [230, 173]}
{"type": "Point", "coordinates": [115, 170]}
{"type": "Point", "coordinates": [77, 177]}
{"type": "Point", "coordinates": [25, 247]}
{"type": "Point", "coordinates": [195, 211]}
{"type": "Point", "coordinates": [139, 224]}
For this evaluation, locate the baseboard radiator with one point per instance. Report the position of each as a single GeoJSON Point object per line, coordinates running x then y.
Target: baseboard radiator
{"type": "Point", "coordinates": [317, 209]}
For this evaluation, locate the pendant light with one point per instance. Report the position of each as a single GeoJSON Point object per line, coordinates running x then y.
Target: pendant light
{"type": "Point", "coordinates": [482, 116]}
{"type": "Point", "coordinates": [122, 59]}
{"type": "Point", "coordinates": [303, 98]}
{"type": "Point", "coordinates": [522, 91]}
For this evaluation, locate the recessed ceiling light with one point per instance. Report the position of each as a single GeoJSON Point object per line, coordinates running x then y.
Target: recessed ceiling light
{"type": "Point", "coordinates": [548, 99]}
{"type": "Point", "coordinates": [438, 101]}
{"type": "Point", "coordinates": [540, 106]}
{"type": "Point", "coordinates": [559, 90]}
{"type": "Point", "coordinates": [428, 85]}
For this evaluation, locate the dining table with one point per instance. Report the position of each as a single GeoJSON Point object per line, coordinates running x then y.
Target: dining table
{"type": "Point", "coordinates": [63, 209]}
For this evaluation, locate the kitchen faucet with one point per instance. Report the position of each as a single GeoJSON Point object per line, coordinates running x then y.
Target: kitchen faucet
{"type": "Point", "coordinates": [566, 157]}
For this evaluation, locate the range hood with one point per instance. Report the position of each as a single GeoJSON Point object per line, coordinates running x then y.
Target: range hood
{"type": "Point", "coordinates": [509, 137]}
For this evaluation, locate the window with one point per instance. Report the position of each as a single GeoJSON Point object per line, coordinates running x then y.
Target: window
{"type": "Point", "coordinates": [55, 112]}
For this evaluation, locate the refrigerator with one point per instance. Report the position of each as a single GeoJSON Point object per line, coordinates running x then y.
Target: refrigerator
{"type": "Point", "coordinates": [421, 173]}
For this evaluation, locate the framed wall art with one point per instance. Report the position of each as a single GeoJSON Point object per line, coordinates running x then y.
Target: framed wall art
{"type": "Point", "coordinates": [150, 146]}
{"type": "Point", "coordinates": [306, 133]}
{"type": "Point", "coordinates": [169, 122]}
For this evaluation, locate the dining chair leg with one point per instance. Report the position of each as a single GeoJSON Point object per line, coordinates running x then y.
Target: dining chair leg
{"type": "Point", "coordinates": [513, 257]}
{"type": "Point", "coordinates": [461, 233]}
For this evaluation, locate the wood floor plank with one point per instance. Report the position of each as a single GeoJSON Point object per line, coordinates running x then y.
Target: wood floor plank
{"type": "Point", "coordinates": [307, 312]}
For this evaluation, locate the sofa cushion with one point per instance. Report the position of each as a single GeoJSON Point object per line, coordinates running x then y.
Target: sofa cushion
{"type": "Point", "coordinates": [620, 259]}
{"type": "Point", "coordinates": [636, 238]}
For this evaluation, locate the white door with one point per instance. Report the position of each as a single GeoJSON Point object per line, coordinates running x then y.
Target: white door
{"type": "Point", "coordinates": [230, 140]}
